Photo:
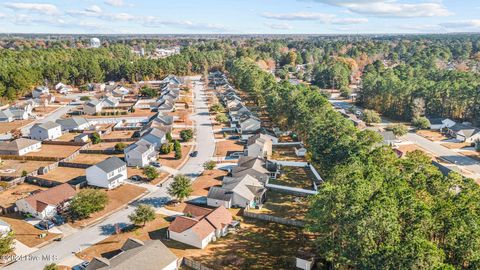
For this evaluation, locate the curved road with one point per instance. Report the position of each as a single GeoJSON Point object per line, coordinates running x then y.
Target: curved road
{"type": "Point", "coordinates": [86, 237]}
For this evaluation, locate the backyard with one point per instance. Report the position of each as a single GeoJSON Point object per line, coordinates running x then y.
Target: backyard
{"type": "Point", "coordinates": [170, 161]}
{"type": "Point", "coordinates": [296, 177]}
{"type": "Point", "coordinates": [14, 168]}
{"type": "Point", "coordinates": [286, 153]}
{"type": "Point", "coordinates": [56, 151]}
{"type": "Point", "coordinates": [226, 147]}
{"type": "Point", "coordinates": [63, 174]}
{"type": "Point", "coordinates": [284, 206]}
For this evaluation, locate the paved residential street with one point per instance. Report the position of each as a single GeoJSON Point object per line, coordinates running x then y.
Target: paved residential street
{"type": "Point", "coordinates": [60, 251]}
{"type": "Point", "coordinates": [51, 117]}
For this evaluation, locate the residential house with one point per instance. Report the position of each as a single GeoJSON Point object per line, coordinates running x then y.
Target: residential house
{"type": "Point", "coordinates": [249, 124]}
{"type": "Point", "coordinates": [74, 123]}
{"type": "Point", "coordinates": [62, 88]}
{"type": "Point", "coordinates": [92, 107]}
{"type": "Point", "coordinates": [120, 91]}
{"type": "Point", "coordinates": [110, 102]}
{"type": "Point", "coordinates": [166, 106]}
{"type": "Point", "coordinates": [204, 225]}
{"type": "Point", "coordinates": [47, 203]}
{"type": "Point", "coordinates": [253, 166]}
{"type": "Point", "coordinates": [109, 174]}
{"type": "Point", "coordinates": [172, 79]}
{"type": "Point", "coordinates": [389, 138]}
{"type": "Point", "coordinates": [140, 154]}
{"type": "Point", "coordinates": [464, 133]}
{"type": "Point", "coordinates": [155, 137]}
{"type": "Point", "coordinates": [259, 145]}
{"type": "Point", "coordinates": [39, 91]}
{"type": "Point", "coordinates": [440, 123]}
{"type": "Point", "coordinates": [136, 254]}
{"type": "Point", "coordinates": [244, 192]}
{"type": "Point", "coordinates": [19, 114]}
{"type": "Point", "coordinates": [45, 131]}
{"type": "Point", "coordinates": [4, 228]}
{"type": "Point", "coordinates": [82, 137]}
{"type": "Point", "coordinates": [19, 147]}
{"type": "Point", "coordinates": [6, 116]}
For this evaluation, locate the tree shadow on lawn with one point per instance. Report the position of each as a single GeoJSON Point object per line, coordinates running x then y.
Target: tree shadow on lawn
{"type": "Point", "coordinates": [153, 201]}
{"type": "Point", "coordinates": [109, 229]}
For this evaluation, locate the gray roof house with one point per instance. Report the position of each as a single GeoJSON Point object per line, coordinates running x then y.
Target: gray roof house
{"type": "Point", "coordinates": [74, 123]}
{"type": "Point", "coordinates": [464, 133]}
{"type": "Point", "coordinates": [93, 106]}
{"type": "Point", "coordinates": [245, 191]}
{"type": "Point", "coordinates": [140, 154]}
{"type": "Point", "coordinates": [6, 116]}
{"type": "Point", "coordinates": [252, 166]}
{"type": "Point", "coordinates": [45, 131]}
{"type": "Point", "coordinates": [136, 254]}
{"type": "Point", "coordinates": [249, 124]}
{"type": "Point", "coordinates": [155, 137]}
{"type": "Point", "coordinates": [110, 173]}
{"type": "Point", "coordinates": [19, 147]}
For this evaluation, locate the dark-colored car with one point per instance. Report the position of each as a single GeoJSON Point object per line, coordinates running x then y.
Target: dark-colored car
{"type": "Point", "coordinates": [58, 220]}
{"type": "Point", "coordinates": [44, 225]}
{"type": "Point", "coordinates": [194, 154]}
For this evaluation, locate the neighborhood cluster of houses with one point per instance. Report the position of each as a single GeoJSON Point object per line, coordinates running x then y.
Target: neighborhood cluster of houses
{"type": "Point", "coordinates": [462, 132]}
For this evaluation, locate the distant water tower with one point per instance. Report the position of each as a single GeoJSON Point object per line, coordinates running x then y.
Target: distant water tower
{"type": "Point", "coordinates": [95, 43]}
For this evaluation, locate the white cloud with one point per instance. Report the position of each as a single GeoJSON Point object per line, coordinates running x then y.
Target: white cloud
{"type": "Point", "coordinates": [48, 9]}
{"type": "Point", "coordinates": [470, 24]}
{"type": "Point", "coordinates": [151, 21]}
{"type": "Point", "coordinates": [94, 9]}
{"type": "Point", "coordinates": [313, 16]}
{"type": "Point", "coordinates": [115, 3]}
{"type": "Point", "coordinates": [391, 8]}
{"type": "Point", "coordinates": [279, 26]}
{"type": "Point", "coordinates": [88, 12]}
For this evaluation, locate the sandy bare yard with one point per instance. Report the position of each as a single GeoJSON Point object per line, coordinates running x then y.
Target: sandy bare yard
{"type": "Point", "coordinates": [57, 151]}
{"type": "Point", "coordinates": [224, 148]}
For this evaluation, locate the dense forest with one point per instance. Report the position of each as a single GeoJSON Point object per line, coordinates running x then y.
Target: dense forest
{"type": "Point", "coordinates": [376, 211]}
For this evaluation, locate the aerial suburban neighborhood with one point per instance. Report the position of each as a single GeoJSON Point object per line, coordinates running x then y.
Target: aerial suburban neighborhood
{"type": "Point", "coordinates": [196, 135]}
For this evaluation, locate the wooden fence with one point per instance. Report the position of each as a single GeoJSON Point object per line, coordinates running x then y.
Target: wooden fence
{"type": "Point", "coordinates": [195, 265]}
{"type": "Point", "coordinates": [269, 218]}
{"type": "Point", "coordinates": [121, 140]}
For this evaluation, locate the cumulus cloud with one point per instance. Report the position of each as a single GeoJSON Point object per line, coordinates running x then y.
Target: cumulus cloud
{"type": "Point", "coordinates": [151, 21]}
{"type": "Point", "coordinates": [279, 26]}
{"type": "Point", "coordinates": [115, 3]}
{"type": "Point", "coordinates": [470, 24]}
{"type": "Point", "coordinates": [391, 8]}
{"type": "Point", "coordinates": [48, 9]}
{"type": "Point", "coordinates": [313, 16]}
{"type": "Point", "coordinates": [94, 9]}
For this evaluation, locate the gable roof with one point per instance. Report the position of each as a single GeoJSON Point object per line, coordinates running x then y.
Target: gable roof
{"type": "Point", "coordinates": [219, 193]}
{"type": "Point", "coordinates": [110, 164]}
{"type": "Point", "coordinates": [17, 144]}
{"type": "Point", "coordinates": [51, 196]}
{"type": "Point", "coordinates": [6, 114]}
{"type": "Point", "coordinates": [245, 186]}
{"type": "Point", "coordinates": [47, 125]}
{"type": "Point", "coordinates": [75, 121]}
{"type": "Point", "coordinates": [140, 147]}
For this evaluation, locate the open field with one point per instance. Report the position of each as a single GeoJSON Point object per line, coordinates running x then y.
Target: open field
{"type": "Point", "coordinates": [118, 198]}
{"type": "Point", "coordinates": [10, 196]}
{"type": "Point", "coordinates": [63, 174]}
{"type": "Point", "coordinates": [225, 148]}
{"type": "Point", "coordinates": [297, 177]}
{"type": "Point", "coordinates": [207, 180]}
{"type": "Point", "coordinates": [169, 159]}
{"type": "Point", "coordinates": [6, 127]}
{"type": "Point", "coordinates": [57, 151]}
{"type": "Point", "coordinates": [92, 158]}
{"type": "Point", "coordinates": [284, 205]}
{"type": "Point", "coordinates": [18, 166]}
{"type": "Point", "coordinates": [25, 232]}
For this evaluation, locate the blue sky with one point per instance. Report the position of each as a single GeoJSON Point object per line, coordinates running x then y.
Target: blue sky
{"type": "Point", "coordinates": [239, 16]}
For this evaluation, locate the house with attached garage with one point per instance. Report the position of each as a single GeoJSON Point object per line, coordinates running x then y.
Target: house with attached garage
{"type": "Point", "coordinates": [19, 147]}
{"type": "Point", "coordinates": [92, 107]}
{"type": "Point", "coordinates": [249, 124]}
{"type": "Point", "coordinates": [244, 192]}
{"type": "Point", "coordinates": [259, 145]}
{"type": "Point", "coordinates": [200, 226]}
{"type": "Point", "coordinates": [46, 204]}
{"type": "Point", "coordinates": [464, 133]}
{"type": "Point", "coordinates": [39, 91]}
{"type": "Point", "coordinates": [136, 254]}
{"type": "Point", "coordinates": [109, 174]}
{"type": "Point", "coordinates": [110, 102]}
{"type": "Point", "coordinates": [6, 116]}
{"type": "Point", "coordinates": [74, 123]}
{"type": "Point", "coordinates": [155, 137]}
{"type": "Point", "coordinates": [120, 91]}
{"type": "Point", "coordinates": [253, 166]}
{"type": "Point", "coordinates": [437, 123]}
{"type": "Point", "coordinates": [140, 154]}
{"type": "Point", "coordinates": [45, 131]}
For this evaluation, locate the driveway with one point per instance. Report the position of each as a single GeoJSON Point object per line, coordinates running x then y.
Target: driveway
{"type": "Point", "coordinates": [86, 237]}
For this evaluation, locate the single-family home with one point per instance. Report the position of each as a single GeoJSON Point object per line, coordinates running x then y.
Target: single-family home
{"type": "Point", "coordinates": [47, 203]}
{"type": "Point", "coordinates": [166, 106]}
{"type": "Point", "coordinates": [4, 228]}
{"type": "Point", "coordinates": [110, 102]}
{"type": "Point", "coordinates": [19, 114]}
{"type": "Point", "coordinates": [74, 123]}
{"type": "Point", "coordinates": [201, 226]}
{"type": "Point", "coordinates": [6, 116]}
{"type": "Point", "coordinates": [389, 138]}
{"type": "Point", "coordinates": [120, 91]}
{"type": "Point", "coordinates": [172, 79]}
{"type": "Point", "coordinates": [464, 133]}
{"type": "Point", "coordinates": [82, 137]}
{"type": "Point", "coordinates": [437, 123]}
{"type": "Point", "coordinates": [259, 145]}
{"type": "Point", "coordinates": [39, 91]}
{"type": "Point", "coordinates": [92, 107]}
{"type": "Point", "coordinates": [109, 174]}
{"type": "Point", "coordinates": [62, 88]}
{"type": "Point", "coordinates": [155, 137]}
{"type": "Point", "coordinates": [244, 192]}
{"type": "Point", "coordinates": [249, 124]}
{"type": "Point", "coordinates": [140, 154]}
{"type": "Point", "coordinates": [136, 254]}
{"type": "Point", "coordinates": [253, 166]}
{"type": "Point", "coordinates": [45, 131]}
{"type": "Point", "coordinates": [165, 120]}
{"type": "Point", "coordinates": [19, 147]}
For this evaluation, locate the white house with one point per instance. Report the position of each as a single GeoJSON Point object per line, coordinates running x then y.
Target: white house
{"type": "Point", "coordinates": [204, 225]}
{"type": "Point", "coordinates": [140, 154]}
{"type": "Point", "coordinates": [109, 174]}
{"type": "Point", "coordinates": [259, 145]}
{"type": "Point", "coordinates": [464, 133]}
{"type": "Point", "coordinates": [19, 114]}
{"type": "Point", "coordinates": [19, 147]}
{"type": "Point", "coordinates": [39, 91]}
{"type": "Point", "coordinates": [120, 91]}
{"type": "Point", "coordinates": [45, 131]}
{"type": "Point", "coordinates": [92, 107]}
{"type": "Point", "coordinates": [62, 88]}
{"type": "Point", "coordinates": [110, 102]}
{"type": "Point", "coordinates": [246, 191]}
{"type": "Point", "coordinates": [47, 203]}
{"type": "Point", "coordinates": [441, 123]}
{"type": "Point", "coordinates": [4, 228]}
{"type": "Point", "coordinates": [74, 123]}
{"type": "Point", "coordinates": [82, 137]}
{"type": "Point", "coordinates": [249, 124]}
{"type": "Point", "coordinates": [155, 137]}
{"type": "Point", "coordinates": [6, 116]}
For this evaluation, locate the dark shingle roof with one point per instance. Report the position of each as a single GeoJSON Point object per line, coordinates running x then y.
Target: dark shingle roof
{"type": "Point", "coordinates": [110, 164]}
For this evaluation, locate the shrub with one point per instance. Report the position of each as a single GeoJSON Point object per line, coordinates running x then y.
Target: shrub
{"type": "Point", "coordinates": [180, 188]}
{"type": "Point", "coordinates": [370, 116]}
{"type": "Point", "coordinates": [169, 137]}
{"type": "Point", "coordinates": [186, 135]}
{"type": "Point", "coordinates": [221, 118]}
{"type": "Point", "coordinates": [96, 138]}
{"type": "Point", "coordinates": [421, 123]}
{"type": "Point", "coordinates": [166, 148]}
{"type": "Point", "coordinates": [148, 92]}
{"type": "Point", "coordinates": [209, 165]}
{"type": "Point", "coordinates": [120, 146]}
{"type": "Point", "coordinates": [151, 172]}
{"type": "Point", "coordinates": [178, 150]}
{"type": "Point", "coordinates": [24, 173]}
{"type": "Point", "coordinates": [345, 92]}
{"type": "Point", "coordinates": [398, 129]}
{"type": "Point", "coordinates": [142, 214]}
{"type": "Point", "coordinates": [85, 98]}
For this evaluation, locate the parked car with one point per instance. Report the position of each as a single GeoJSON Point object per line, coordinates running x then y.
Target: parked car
{"type": "Point", "coordinates": [81, 266]}
{"type": "Point", "coordinates": [137, 178]}
{"type": "Point", "coordinates": [194, 154]}
{"type": "Point", "coordinates": [58, 220]}
{"type": "Point", "coordinates": [156, 164]}
{"type": "Point", "coordinates": [44, 225]}
{"type": "Point", "coordinates": [234, 137]}
{"type": "Point", "coordinates": [236, 154]}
